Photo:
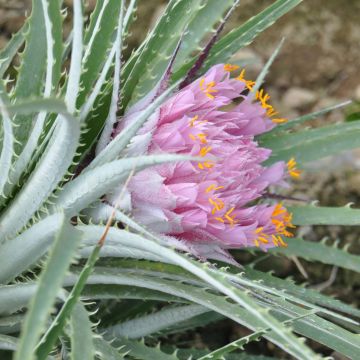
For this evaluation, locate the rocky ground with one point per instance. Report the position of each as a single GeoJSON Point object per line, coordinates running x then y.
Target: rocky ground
{"type": "Point", "coordinates": [317, 67]}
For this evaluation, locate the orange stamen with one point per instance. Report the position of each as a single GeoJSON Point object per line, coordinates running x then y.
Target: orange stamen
{"type": "Point", "coordinates": [292, 169]}
{"type": "Point", "coordinates": [230, 67]}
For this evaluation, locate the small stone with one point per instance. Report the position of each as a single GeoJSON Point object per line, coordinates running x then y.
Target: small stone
{"type": "Point", "coordinates": [357, 93]}
{"type": "Point", "coordinates": [296, 98]}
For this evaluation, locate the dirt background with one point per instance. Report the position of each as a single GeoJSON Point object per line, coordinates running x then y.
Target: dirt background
{"type": "Point", "coordinates": [317, 67]}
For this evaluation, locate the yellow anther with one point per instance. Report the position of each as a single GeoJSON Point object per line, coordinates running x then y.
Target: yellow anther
{"type": "Point", "coordinates": [192, 137]}
{"type": "Point", "coordinates": [280, 120]}
{"type": "Point", "coordinates": [256, 242]}
{"type": "Point", "coordinates": [208, 164]}
{"type": "Point", "coordinates": [241, 77]}
{"type": "Point", "coordinates": [213, 187]}
{"type": "Point", "coordinates": [204, 150]}
{"type": "Point", "coordinates": [205, 165]}
{"type": "Point", "coordinates": [217, 203]}
{"type": "Point", "coordinates": [263, 239]}
{"type": "Point", "coordinates": [220, 219]}
{"type": "Point", "coordinates": [292, 169]}
{"type": "Point", "coordinates": [259, 230]}
{"type": "Point", "coordinates": [275, 240]}
{"type": "Point", "coordinates": [278, 210]}
{"type": "Point", "coordinates": [192, 121]}
{"type": "Point", "coordinates": [202, 138]}
{"type": "Point", "coordinates": [208, 89]}
{"type": "Point", "coordinates": [271, 111]}
{"type": "Point", "coordinates": [230, 67]}
{"type": "Point", "coordinates": [248, 83]}
{"type": "Point", "coordinates": [263, 97]}
{"type": "Point", "coordinates": [230, 218]}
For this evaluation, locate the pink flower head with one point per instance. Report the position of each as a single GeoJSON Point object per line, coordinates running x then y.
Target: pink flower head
{"type": "Point", "coordinates": [211, 203]}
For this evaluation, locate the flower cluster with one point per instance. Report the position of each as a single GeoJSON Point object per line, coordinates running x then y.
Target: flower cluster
{"type": "Point", "coordinates": [213, 202]}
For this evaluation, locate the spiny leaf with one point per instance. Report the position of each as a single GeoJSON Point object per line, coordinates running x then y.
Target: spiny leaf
{"type": "Point", "coordinates": [158, 47]}
{"type": "Point", "coordinates": [25, 250]}
{"type": "Point", "coordinates": [91, 185]}
{"type": "Point", "coordinates": [155, 322]}
{"type": "Point", "coordinates": [308, 145]}
{"type": "Point", "coordinates": [49, 283]}
{"type": "Point", "coordinates": [12, 47]}
{"type": "Point", "coordinates": [318, 251]}
{"type": "Point", "coordinates": [319, 215]}
{"type": "Point", "coordinates": [81, 335]}
{"type": "Point", "coordinates": [30, 78]}
{"type": "Point", "coordinates": [49, 171]}
{"type": "Point", "coordinates": [304, 118]}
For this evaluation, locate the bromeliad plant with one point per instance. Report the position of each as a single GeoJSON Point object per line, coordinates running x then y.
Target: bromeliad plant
{"type": "Point", "coordinates": [119, 180]}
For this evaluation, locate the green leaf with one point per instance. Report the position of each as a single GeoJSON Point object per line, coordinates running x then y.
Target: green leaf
{"type": "Point", "coordinates": [8, 342]}
{"type": "Point", "coordinates": [91, 185]}
{"type": "Point", "coordinates": [202, 24]}
{"type": "Point", "coordinates": [25, 250]}
{"type": "Point", "coordinates": [304, 118]}
{"type": "Point", "coordinates": [106, 351]}
{"type": "Point", "coordinates": [316, 215]}
{"type": "Point", "coordinates": [49, 171]}
{"type": "Point", "coordinates": [7, 151]}
{"type": "Point", "coordinates": [53, 27]}
{"type": "Point", "coordinates": [214, 279]}
{"type": "Point", "coordinates": [111, 119]}
{"type": "Point", "coordinates": [139, 350]}
{"type": "Point", "coordinates": [73, 85]}
{"type": "Point", "coordinates": [218, 303]}
{"type": "Point", "coordinates": [322, 331]}
{"type": "Point", "coordinates": [103, 291]}
{"type": "Point", "coordinates": [243, 35]}
{"type": "Point", "coordinates": [129, 15]}
{"type": "Point", "coordinates": [12, 47]}
{"type": "Point", "coordinates": [158, 47]}
{"type": "Point", "coordinates": [48, 287]}
{"type": "Point", "coordinates": [261, 77]}
{"type": "Point", "coordinates": [308, 145]}
{"type": "Point", "coordinates": [113, 149]}
{"type": "Point", "coordinates": [319, 251]}
{"type": "Point", "coordinates": [300, 292]}
{"type": "Point", "coordinates": [15, 297]}
{"type": "Point", "coordinates": [98, 40]}
{"type": "Point", "coordinates": [30, 78]}
{"type": "Point", "coordinates": [101, 81]}
{"type": "Point", "coordinates": [81, 335]}
{"type": "Point", "coordinates": [155, 322]}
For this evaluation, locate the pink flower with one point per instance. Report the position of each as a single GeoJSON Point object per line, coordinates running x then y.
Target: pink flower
{"type": "Point", "coordinates": [212, 204]}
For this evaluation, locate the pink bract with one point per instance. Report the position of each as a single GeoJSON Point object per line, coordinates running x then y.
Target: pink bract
{"type": "Point", "coordinates": [210, 205]}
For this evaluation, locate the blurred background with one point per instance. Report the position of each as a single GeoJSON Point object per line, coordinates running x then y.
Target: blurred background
{"type": "Point", "coordinates": [317, 67]}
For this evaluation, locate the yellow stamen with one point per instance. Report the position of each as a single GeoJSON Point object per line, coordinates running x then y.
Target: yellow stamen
{"type": "Point", "coordinates": [204, 150]}
{"type": "Point", "coordinates": [213, 187]}
{"type": "Point", "coordinates": [292, 169]}
{"type": "Point", "coordinates": [209, 89]}
{"type": "Point", "coordinates": [230, 218]}
{"type": "Point", "coordinates": [192, 137]}
{"type": "Point", "coordinates": [263, 97]}
{"type": "Point", "coordinates": [217, 203]}
{"type": "Point", "coordinates": [192, 121]}
{"type": "Point", "coordinates": [248, 83]}
{"type": "Point", "coordinates": [230, 67]}
{"type": "Point", "coordinates": [202, 138]}
{"type": "Point", "coordinates": [220, 219]}
{"type": "Point", "coordinates": [280, 120]}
